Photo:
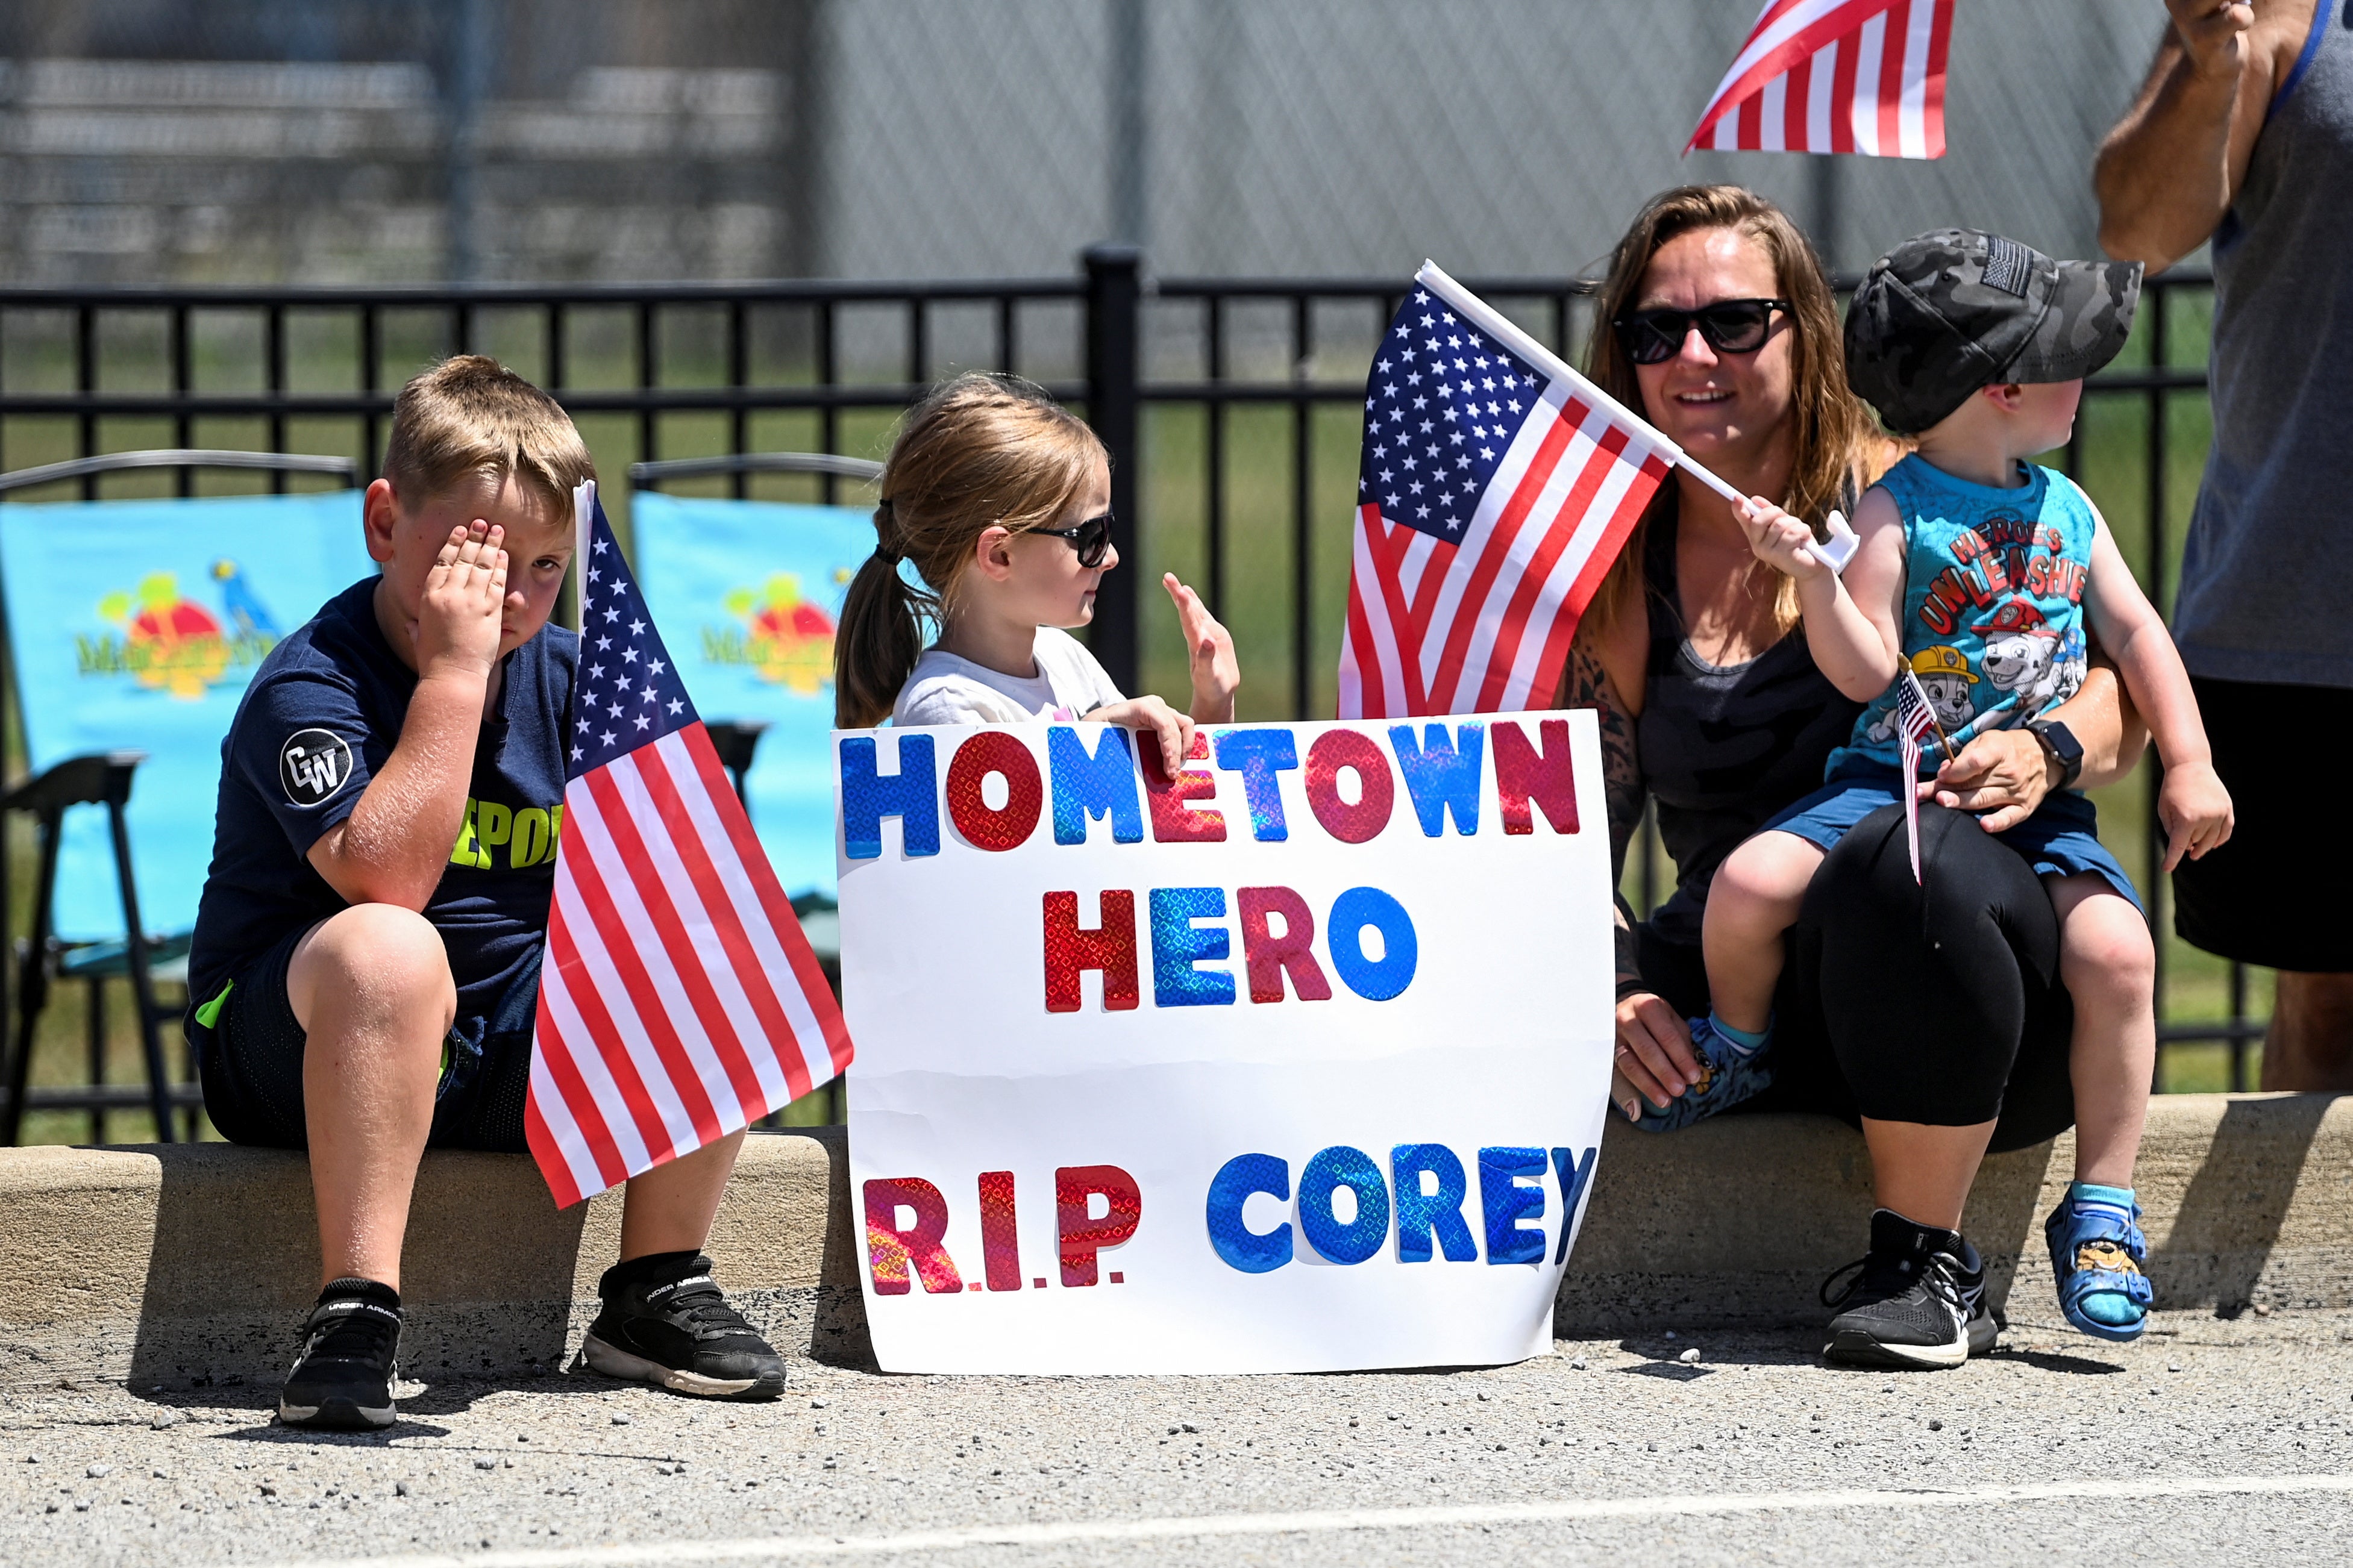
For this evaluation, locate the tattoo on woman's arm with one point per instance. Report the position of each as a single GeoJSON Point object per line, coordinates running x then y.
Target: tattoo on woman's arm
{"type": "Point", "coordinates": [1588, 685]}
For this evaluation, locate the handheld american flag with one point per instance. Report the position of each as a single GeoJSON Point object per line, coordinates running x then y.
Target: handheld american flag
{"type": "Point", "coordinates": [1495, 488]}
{"type": "Point", "coordinates": [1914, 722]}
{"type": "Point", "coordinates": [1835, 75]}
{"type": "Point", "coordinates": [679, 1000]}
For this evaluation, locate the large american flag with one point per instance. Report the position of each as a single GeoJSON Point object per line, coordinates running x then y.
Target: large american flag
{"type": "Point", "coordinates": [1495, 487]}
{"type": "Point", "coordinates": [679, 1000]}
{"type": "Point", "coordinates": [1836, 76]}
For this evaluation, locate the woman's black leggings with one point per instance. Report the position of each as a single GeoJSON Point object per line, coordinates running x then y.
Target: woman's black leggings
{"type": "Point", "coordinates": [1939, 1002]}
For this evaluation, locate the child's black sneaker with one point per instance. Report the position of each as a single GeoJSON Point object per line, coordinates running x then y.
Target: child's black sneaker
{"type": "Point", "coordinates": [343, 1379]}
{"type": "Point", "coordinates": [665, 1322]}
{"type": "Point", "coordinates": [1916, 1299]}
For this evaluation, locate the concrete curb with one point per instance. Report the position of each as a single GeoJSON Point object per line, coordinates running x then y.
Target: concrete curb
{"type": "Point", "coordinates": [188, 1265]}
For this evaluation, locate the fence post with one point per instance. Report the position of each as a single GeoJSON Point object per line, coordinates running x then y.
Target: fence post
{"type": "Point", "coordinates": [1114, 290]}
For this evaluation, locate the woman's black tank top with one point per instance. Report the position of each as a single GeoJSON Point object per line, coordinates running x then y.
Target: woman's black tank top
{"type": "Point", "coordinates": [1723, 747]}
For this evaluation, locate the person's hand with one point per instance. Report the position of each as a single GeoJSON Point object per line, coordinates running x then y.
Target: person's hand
{"type": "Point", "coordinates": [2002, 773]}
{"type": "Point", "coordinates": [2214, 33]}
{"type": "Point", "coordinates": [1779, 540]}
{"type": "Point", "coordinates": [1217, 675]}
{"type": "Point", "coordinates": [2196, 811]}
{"type": "Point", "coordinates": [1654, 1058]}
{"type": "Point", "coordinates": [457, 628]}
{"type": "Point", "coordinates": [1174, 728]}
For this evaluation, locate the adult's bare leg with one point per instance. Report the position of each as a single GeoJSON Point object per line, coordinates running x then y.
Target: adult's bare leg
{"type": "Point", "coordinates": [1924, 1173]}
{"type": "Point", "coordinates": [2309, 1045]}
{"type": "Point", "coordinates": [669, 1208]}
{"type": "Point", "coordinates": [370, 988]}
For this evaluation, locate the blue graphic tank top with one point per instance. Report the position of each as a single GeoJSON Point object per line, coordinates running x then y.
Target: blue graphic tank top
{"type": "Point", "coordinates": [1993, 605]}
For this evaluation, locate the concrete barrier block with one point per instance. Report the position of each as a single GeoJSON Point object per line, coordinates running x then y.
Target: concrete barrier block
{"type": "Point", "coordinates": [175, 1264]}
{"type": "Point", "coordinates": [179, 1266]}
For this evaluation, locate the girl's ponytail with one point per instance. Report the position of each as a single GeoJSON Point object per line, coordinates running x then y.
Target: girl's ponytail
{"type": "Point", "coordinates": [880, 635]}
{"type": "Point", "coordinates": [980, 452]}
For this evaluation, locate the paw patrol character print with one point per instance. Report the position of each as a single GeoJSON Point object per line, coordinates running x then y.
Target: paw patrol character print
{"type": "Point", "coordinates": [2021, 649]}
{"type": "Point", "coordinates": [2067, 670]}
{"type": "Point", "coordinates": [1945, 677]}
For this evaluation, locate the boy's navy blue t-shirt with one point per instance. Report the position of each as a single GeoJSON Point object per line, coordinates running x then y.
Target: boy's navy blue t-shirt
{"type": "Point", "coordinates": [323, 713]}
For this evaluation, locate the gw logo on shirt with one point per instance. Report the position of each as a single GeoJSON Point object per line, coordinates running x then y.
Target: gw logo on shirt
{"type": "Point", "coordinates": [529, 836]}
{"type": "Point", "coordinates": [312, 765]}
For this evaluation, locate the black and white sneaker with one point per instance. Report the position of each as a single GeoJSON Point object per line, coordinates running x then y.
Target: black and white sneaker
{"type": "Point", "coordinates": [1916, 1299]}
{"type": "Point", "coordinates": [343, 1380]}
{"type": "Point", "coordinates": [665, 1322]}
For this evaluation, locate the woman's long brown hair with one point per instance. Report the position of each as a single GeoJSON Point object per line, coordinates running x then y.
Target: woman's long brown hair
{"type": "Point", "coordinates": [1834, 441]}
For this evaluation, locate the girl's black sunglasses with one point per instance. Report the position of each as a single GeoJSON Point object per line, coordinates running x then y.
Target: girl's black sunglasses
{"type": "Point", "coordinates": [1730, 327]}
{"type": "Point", "coordinates": [1091, 539]}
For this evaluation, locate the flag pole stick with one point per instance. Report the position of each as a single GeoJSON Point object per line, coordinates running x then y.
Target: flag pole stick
{"type": "Point", "coordinates": [583, 507]}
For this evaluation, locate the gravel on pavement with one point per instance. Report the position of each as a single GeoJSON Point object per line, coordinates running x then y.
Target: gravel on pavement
{"type": "Point", "coordinates": [1620, 1441]}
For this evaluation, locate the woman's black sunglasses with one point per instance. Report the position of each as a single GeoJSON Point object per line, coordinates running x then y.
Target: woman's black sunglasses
{"type": "Point", "coordinates": [1730, 327]}
{"type": "Point", "coordinates": [1091, 539]}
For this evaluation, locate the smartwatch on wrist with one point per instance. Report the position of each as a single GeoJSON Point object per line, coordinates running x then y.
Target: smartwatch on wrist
{"type": "Point", "coordinates": [2059, 744]}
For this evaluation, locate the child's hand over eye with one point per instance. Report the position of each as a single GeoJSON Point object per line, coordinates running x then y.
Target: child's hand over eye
{"type": "Point", "coordinates": [1216, 674]}
{"type": "Point", "coordinates": [2196, 811]}
{"type": "Point", "coordinates": [458, 620]}
{"type": "Point", "coordinates": [1780, 541]}
{"type": "Point", "coordinates": [1175, 730]}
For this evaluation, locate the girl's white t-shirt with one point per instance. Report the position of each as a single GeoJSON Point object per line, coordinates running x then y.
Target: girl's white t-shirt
{"type": "Point", "coordinates": [1067, 684]}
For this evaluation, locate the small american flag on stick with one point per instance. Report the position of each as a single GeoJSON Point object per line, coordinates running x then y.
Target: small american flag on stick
{"type": "Point", "coordinates": [1496, 486]}
{"type": "Point", "coordinates": [1836, 76]}
{"type": "Point", "coordinates": [1914, 722]}
{"type": "Point", "coordinates": [679, 1000]}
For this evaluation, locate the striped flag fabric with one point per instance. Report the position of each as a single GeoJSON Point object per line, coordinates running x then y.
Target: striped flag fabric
{"type": "Point", "coordinates": [1836, 76]}
{"type": "Point", "coordinates": [1914, 722]}
{"type": "Point", "coordinates": [1497, 485]}
{"type": "Point", "coordinates": [677, 1000]}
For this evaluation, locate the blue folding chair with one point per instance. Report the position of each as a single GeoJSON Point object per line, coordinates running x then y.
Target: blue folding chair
{"type": "Point", "coordinates": [133, 628]}
{"type": "Point", "coordinates": [747, 593]}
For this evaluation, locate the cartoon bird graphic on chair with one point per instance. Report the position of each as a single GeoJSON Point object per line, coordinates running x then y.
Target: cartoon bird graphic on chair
{"type": "Point", "coordinates": [245, 610]}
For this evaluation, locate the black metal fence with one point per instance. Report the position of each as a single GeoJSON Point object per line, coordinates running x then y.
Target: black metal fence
{"type": "Point", "coordinates": [1230, 408]}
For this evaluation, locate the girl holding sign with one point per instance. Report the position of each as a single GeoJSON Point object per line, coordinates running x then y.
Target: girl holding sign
{"type": "Point", "coordinates": [1001, 500]}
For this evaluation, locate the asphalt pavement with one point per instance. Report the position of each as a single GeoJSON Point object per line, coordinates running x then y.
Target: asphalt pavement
{"type": "Point", "coordinates": [2211, 1441]}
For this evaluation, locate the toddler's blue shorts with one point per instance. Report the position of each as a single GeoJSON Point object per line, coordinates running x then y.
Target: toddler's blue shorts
{"type": "Point", "coordinates": [2061, 836]}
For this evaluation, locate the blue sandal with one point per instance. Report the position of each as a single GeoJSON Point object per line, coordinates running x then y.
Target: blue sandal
{"type": "Point", "coordinates": [2097, 1252]}
{"type": "Point", "coordinates": [1727, 1074]}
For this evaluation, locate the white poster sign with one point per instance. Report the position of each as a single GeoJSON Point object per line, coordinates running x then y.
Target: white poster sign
{"type": "Point", "coordinates": [1296, 1062]}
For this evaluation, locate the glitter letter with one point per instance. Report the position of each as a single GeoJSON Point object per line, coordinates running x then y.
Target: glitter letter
{"type": "Point", "coordinates": [1420, 1213]}
{"type": "Point", "coordinates": [1177, 943]}
{"type": "Point", "coordinates": [1087, 786]}
{"type": "Point", "coordinates": [1081, 1238]}
{"type": "Point", "coordinates": [1000, 1239]}
{"type": "Point", "coordinates": [1243, 1247]}
{"type": "Point", "coordinates": [1329, 1170]}
{"type": "Point", "coordinates": [1110, 947]}
{"type": "Point", "coordinates": [1377, 792]}
{"type": "Point", "coordinates": [1508, 1203]}
{"type": "Point", "coordinates": [1441, 777]}
{"type": "Point", "coordinates": [995, 752]}
{"type": "Point", "coordinates": [1374, 979]}
{"type": "Point", "coordinates": [889, 1250]}
{"type": "Point", "coordinates": [1524, 774]}
{"type": "Point", "coordinates": [1259, 755]}
{"type": "Point", "coordinates": [1573, 1179]}
{"type": "Point", "coordinates": [1270, 957]}
{"type": "Point", "coordinates": [911, 795]}
{"type": "Point", "coordinates": [1173, 822]}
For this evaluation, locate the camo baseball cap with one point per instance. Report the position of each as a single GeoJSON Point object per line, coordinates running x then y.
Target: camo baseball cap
{"type": "Point", "coordinates": [1948, 312]}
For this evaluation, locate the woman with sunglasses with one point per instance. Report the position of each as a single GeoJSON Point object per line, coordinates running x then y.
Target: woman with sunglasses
{"type": "Point", "coordinates": [1897, 997]}
{"type": "Point", "coordinates": [1000, 499]}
